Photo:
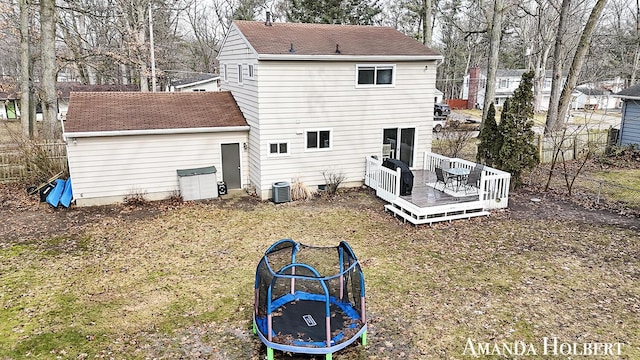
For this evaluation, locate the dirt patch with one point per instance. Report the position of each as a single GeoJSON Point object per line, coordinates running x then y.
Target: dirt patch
{"type": "Point", "coordinates": [25, 218]}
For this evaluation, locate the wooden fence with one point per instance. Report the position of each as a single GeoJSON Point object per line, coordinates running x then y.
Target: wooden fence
{"type": "Point", "coordinates": [572, 145]}
{"type": "Point", "coordinates": [14, 159]}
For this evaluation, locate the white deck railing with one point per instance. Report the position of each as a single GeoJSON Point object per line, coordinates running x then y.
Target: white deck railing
{"type": "Point", "coordinates": [385, 181]}
{"type": "Point", "coordinates": [494, 183]}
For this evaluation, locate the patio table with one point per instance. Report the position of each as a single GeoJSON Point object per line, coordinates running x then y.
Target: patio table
{"type": "Point", "coordinates": [459, 173]}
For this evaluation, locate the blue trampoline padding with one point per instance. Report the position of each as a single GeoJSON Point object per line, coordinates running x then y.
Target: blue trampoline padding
{"type": "Point", "coordinates": [67, 194]}
{"type": "Point", "coordinates": [53, 198]}
{"type": "Point", "coordinates": [346, 308]}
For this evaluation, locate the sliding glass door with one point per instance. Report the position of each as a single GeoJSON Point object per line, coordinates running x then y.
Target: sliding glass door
{"type": "Point", "coordinates": [402, 143]}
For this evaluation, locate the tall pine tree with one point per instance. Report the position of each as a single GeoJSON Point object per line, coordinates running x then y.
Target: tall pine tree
{"type": "Point", "coordinates": [518, 151]}
{"type": "Point", "coordinates": [489, 139]}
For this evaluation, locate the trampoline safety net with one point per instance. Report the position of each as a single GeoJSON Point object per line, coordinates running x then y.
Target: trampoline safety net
{"type": "Point", "coordinates": [309, 299]}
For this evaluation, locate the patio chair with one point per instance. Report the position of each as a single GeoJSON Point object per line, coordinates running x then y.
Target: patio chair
{"type": "Point", "coordinates": [440, 178]}
{"type": "Point", "coordinates": [473, 180]}
{"type": "Point", "coordinates": [445, 165]}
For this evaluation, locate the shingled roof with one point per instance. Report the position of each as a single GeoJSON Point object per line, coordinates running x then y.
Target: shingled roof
{"type": "Point", "coordinates": [632, 93]}
{"type": "Point", "coordinates": [330, 39]}
{"type": "Point", "coordinates": [139, 111]}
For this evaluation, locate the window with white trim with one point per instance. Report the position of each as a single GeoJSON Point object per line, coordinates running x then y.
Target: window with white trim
{"type": "Point", "coordinates": [375, 75]}
{"type": "Point", "coordinates": [240, 73]}
{"type": "Point", "coordinates": [250, 71]}
{"type": "Point", "coordinates": [318, 139]}
{"type": "Point", "coordinates": [225, 73]}
{"type": "Point", "coordinates": [278, 148]}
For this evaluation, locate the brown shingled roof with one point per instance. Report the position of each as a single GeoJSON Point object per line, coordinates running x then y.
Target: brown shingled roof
{"type": "Point", "coordinates": [121, 111]}
{"type": "Point", "coordinates": [321, 39]}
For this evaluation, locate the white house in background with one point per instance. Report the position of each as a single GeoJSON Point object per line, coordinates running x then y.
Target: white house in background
{"type": "Point", "coordinates": [320, 98]}
{"type": "Point", "coordinates": [123, 144]}
{"type": "Point", "coordinates": [198, 82]}
{"type": "Point", "coordinates": [589, 98]}
{"type": "Point", "coordinates": [507, 81]}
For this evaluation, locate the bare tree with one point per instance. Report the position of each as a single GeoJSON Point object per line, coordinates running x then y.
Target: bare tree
{"type": "Point", "coordinates": [556, 84]}
{"type": "Point", "coordinates": [25, 74]}
{"type": "Point", "coordinates": [578, 60]}
{"type": "Point", "coordinates": [48, 94]}
{"type": "Point", "coordinates": [494, 53]}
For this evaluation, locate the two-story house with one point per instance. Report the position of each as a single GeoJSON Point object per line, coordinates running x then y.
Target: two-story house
{"type": "Point", "coordinates": [507, 81]}
{"type": "Point", "coordinates": [320, 98]}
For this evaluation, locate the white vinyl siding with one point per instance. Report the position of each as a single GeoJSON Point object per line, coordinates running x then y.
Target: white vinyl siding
{"type": "Point", "coordinates": [287, 98]}
{"type": "Point", "coordinates": [234, 51]}
{"type": "Point", "coordinates": [106, 169]}
{"type": "Point", "coordinates": [299, 96]}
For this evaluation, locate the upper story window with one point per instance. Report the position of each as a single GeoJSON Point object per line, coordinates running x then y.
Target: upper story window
{"type": "Point", "coordinates": [225, 73]}
{"type": "Point", "coordinates": [251, 71]}
{"type": "Point", "coordinates": [375, 75]}
{"type": "Point", "coordinates": [240, 73]}
{"type": "Point", "coordinates": [318, 139]}
{"type": "Point", "coordinates": [504, 83]}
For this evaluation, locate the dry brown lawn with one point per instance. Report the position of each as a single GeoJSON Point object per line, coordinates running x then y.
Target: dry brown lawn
{"type": "Point", "coordinates": [175, 280]}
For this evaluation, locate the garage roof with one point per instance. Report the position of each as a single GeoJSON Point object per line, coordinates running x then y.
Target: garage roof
{"type": "Point", "coordinates": [140, 111]}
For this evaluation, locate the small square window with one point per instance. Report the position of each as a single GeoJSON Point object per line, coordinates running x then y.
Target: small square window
{"type": "Point", "coordinates": [250, 71]}
{"type": "Point", "coordinates": [279, 148]}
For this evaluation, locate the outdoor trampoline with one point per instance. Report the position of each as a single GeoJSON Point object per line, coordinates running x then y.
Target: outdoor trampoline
{"type": "Point", "coordinates": [309, 299]}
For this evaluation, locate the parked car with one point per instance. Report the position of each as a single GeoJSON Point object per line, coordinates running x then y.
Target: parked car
{"type": "Point", "coordinates": [439, 123]}
{"type": "Point", "coordinates": [441, 110]}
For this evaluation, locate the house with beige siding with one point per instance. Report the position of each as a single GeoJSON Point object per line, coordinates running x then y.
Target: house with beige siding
{"type": "Point", "coordinates": [130, 144]}
{"type": "Point", "coordinates": [320, 98]}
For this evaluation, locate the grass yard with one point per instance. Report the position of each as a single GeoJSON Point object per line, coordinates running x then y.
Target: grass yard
{"type": "Point", "coordinates": [178, 281]}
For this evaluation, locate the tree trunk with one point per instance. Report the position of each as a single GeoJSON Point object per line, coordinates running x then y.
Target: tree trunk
{"type": "Point", "coordinates": [427, 23]}
{"type": "Point", "coordinates": [25, 66]}
{"type": "Point", "coordinates": [494, 52]}
{"type": "Point", "coordinates": [636, 58]}
{"type": "Point", "coordinates": [552, 122]}
{"type": "Point", "coordinates": [578, 58]}
{"type": "Point", "coordinates": [49, 70]}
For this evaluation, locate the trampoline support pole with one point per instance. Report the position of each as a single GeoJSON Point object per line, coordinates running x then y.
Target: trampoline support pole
{"type": "Point", "coordinates": [269, 353]}
{"type": "Point", "coordinates": [329, 356]}
{"type": "Point", "coordinates": [364, 338]}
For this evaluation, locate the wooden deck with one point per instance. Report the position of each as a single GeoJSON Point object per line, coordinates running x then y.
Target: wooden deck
{"type": "Point", "coordinates": [426, 204]}
{"type": "Point", "coordinates": [424, 195]}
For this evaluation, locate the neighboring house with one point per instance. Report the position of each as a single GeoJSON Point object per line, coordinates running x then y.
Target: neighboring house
{"type": "Point", "coordinates": [630, 125]}
{"type": "Point", "coordinates": [591, 98]}
{"type": "Point", "coordinates": [201, 82]}
{"type": "Point", "coordinates": [9, 103]}
{"type": "Point", "coordinates": [439, 96]}
{"type": "Point", "coordinates": [507, 81]}
{"type": "Point", "coordinates": [123, 144]}
{"type": "Point", "coordinates": [65, 88]}
{"type": "Point", "coordinates": [321, 98]}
